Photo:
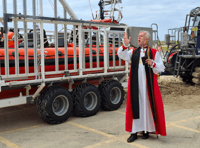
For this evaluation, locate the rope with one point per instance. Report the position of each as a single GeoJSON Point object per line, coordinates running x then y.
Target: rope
{"type": "Point", "coordinates": [1, 22]}
{"type": "Point", "coordinates": [52, 5]}
{"type": "Point", "coordinates": [91, 10]}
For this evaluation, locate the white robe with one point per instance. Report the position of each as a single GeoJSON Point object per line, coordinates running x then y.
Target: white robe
{"type": "Point", "coordinates": [145, 122]}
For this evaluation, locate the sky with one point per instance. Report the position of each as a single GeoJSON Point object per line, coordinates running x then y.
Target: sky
{"type": "Point", "coordinates": [141, 13]}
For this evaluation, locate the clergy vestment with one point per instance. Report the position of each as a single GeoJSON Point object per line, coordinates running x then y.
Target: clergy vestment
{"type": "Point", "coordinates": [141, 113]}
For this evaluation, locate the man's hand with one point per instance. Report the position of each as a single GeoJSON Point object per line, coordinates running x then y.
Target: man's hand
{"type": "Point", "coordinates": [126, 39]}
{"type": "Point", "coordinates": [149, 62]}
{"type": "Point", "coordinates": [159, 49]}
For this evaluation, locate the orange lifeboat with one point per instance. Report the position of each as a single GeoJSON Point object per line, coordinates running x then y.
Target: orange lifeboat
{"type": "Point", "coordinates": [11, 43]}
{"type": "Point", "coordinates": [50, 58]}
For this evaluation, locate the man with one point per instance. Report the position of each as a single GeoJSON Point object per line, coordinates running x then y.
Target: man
{"type": "Point", "coordinates": [144, 108]}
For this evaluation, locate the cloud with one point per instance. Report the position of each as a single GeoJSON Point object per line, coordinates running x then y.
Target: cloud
{"type": "Point", "coordinates": [167, 14]}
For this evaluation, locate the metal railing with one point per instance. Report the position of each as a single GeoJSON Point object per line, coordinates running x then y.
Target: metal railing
{"type": "Point", "coordinates": [40, 53]}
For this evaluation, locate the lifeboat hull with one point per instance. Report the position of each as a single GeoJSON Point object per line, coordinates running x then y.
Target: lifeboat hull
{"type": "Point", "coordinates": [50, 59]}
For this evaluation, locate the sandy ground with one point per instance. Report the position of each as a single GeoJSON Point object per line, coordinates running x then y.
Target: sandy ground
{"type": "Point", "coordinates": [179, 95]}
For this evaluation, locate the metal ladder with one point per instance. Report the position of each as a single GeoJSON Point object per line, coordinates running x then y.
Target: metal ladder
{"type": "Point", "coordinates": [177, 65]}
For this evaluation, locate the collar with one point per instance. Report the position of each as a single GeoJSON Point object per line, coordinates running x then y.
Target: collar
{"type": "Point", "coordinates": [143, 49]}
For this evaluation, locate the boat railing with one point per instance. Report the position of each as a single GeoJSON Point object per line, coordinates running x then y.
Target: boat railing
{"type": "Point", "coordinates": [40, 74]}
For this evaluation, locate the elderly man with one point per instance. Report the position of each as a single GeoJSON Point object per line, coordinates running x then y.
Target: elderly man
{"type": "Point", "coordinates": [144, 108]}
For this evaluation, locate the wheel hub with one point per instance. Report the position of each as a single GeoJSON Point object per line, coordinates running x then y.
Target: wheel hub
{"type": "Point", "coordinates": [90, 101]}
{"type": "Point", "coordinates": [115, 95]}
{"type": "Point", "coordinates": [56, 104]}
{"type": "Point", "coordinates": [60, 105]}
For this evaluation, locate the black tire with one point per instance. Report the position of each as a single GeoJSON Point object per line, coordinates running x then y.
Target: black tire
{"type": "Point", "coordinates": [184, 79]}
{"type": "Point", "coordinates": [112, 95]}
{"type": "Point", "coordinates": [87, 100]}
{"type": "Point", "coordinates": [55, 104]}
{"type": "Point", "coordinates": [187, 79]}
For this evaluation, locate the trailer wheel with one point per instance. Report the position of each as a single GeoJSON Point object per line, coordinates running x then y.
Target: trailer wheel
{"type": "Point", "coordinates": [87, 100]}
{"type": "Point", "coordinates": [112, 95]}
{"type": "Point", "coordinates": [55, 104]}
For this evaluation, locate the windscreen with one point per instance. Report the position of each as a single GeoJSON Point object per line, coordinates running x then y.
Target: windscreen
{"type": "Point", "coordinates": [197, 21]}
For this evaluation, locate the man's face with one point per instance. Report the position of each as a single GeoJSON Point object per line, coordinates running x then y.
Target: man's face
{"type": "Point", "coordinates": [142, 39]}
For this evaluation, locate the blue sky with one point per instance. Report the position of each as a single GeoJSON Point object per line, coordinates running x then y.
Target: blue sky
{"type": "Point", "coordinates": [167, 14]}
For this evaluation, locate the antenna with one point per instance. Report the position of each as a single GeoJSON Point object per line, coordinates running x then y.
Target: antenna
{"type": "Point", "coordinates": [91, 10]}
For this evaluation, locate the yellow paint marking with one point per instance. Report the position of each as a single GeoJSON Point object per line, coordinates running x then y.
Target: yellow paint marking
{"type": "Point", "coordinates": [8, 143]}
{"type": "Point", "coordinates": [168, 125]}
{"type": "Point", "coordinates": [133, 143]}
{"type": "Point", "coordinates": [197, 117]}
{"type": "Point", "coordinates": [114, 138]}
{"type": "Point", "coordinates": [101, 143]}
{"type": "Point", "coordinates": [90, 129]}
{"type": "Point", "coordinates": [121, 109]}
{"type": "Point", "coordinates": [137, 145]}
{"type": "Point", "coordinates": [21, 129]}
{"type": "Point", "coordinates": [186, 128]}
{"type": "Point", "coordinates": [121, 139]}
{"type": "Point", "coordinates": [119, 112]}
{"type": "Point", "coordinates": [173, 123]}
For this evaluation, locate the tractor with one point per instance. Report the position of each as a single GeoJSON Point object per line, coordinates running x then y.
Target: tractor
{"type": "Point", "coordinates": [183, 55]}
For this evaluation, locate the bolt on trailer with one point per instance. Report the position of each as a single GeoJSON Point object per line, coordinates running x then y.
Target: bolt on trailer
{"type": "Point", "coordinates": [183, 55]}
{"type": "Point", "coordinates": [76, 69]}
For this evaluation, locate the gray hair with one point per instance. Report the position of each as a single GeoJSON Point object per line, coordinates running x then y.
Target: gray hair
{"type": "Point", "coordinates": [148, 36]}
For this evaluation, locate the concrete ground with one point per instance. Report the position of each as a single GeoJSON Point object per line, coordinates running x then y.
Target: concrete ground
{"type": "Point", "coordinates": [21, 127]}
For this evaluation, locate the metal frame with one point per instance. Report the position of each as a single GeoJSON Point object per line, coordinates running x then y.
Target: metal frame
{"type": "Point", "coordinates": [40, 75]}
{"type": "Point", "coordinates": [80, 38]}
{"type": "Point", "coordinates": [7, 81]}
